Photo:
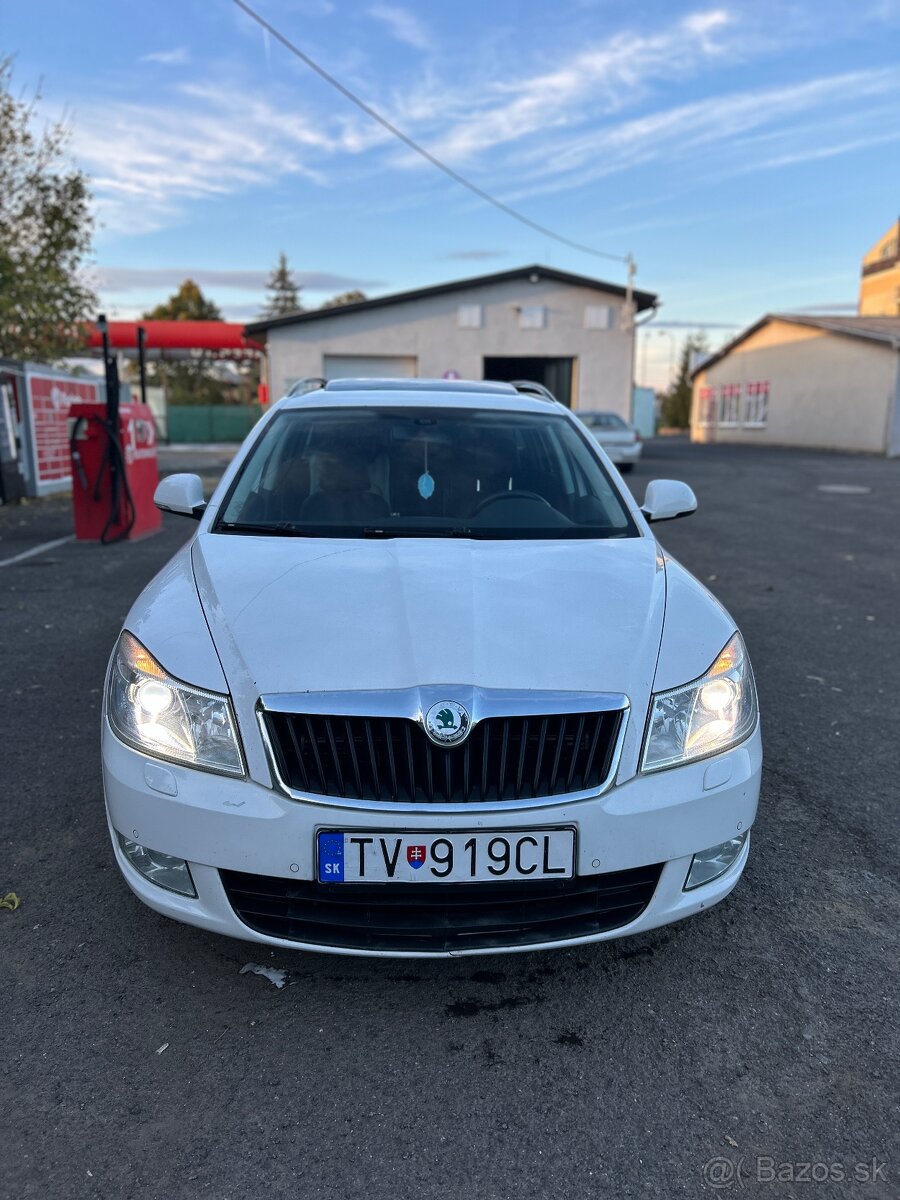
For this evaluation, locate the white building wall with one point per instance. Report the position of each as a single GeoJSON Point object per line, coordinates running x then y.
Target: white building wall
{"type": "Point", "coordinates": [428, 330]}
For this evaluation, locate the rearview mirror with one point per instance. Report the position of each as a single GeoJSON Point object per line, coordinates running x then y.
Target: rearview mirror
{"type": "Point", "coordinates": [668, 498]}
{"type": "Point", "coordinates": [181, 494]}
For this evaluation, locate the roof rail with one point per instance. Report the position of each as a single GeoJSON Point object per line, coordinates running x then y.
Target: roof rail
{"type": "Point", "coordinates": [418, 385]}
{"type": "Point", "coordinates": [313, 384]}
{"type": "Point", "coordinates": [529, 387]}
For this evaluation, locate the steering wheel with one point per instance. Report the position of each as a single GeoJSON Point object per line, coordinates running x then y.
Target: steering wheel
{"type": "Point", "coordinates": [516, 494]}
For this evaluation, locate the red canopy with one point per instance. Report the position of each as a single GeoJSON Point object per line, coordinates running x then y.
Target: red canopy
{"type": "Point", "coordinates": [212, 336]}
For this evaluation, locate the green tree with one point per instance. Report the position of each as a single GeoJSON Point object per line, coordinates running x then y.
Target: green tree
{"type": "Point", "coordinates": [676, 409]}
{"type": "Point", "coordinates": [353, 297]}
{"type": "Point", "coordinates": [46, 226]}
{"type": "Point", "coordinates": [187, 304]}
{"type": "Point", "coordinates": [190, 382]}
{"type": "Point", "coordinates": [284, 293]}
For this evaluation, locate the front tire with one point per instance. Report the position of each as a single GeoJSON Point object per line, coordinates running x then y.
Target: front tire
{"type": "Point", "coordinates": [626, 467]}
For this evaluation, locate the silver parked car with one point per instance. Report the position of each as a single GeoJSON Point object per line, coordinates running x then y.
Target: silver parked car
{"type": "Point", "coordinates": [621, 441]}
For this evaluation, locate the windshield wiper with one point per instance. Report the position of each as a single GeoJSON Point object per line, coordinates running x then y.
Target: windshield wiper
{"type": "Point", "coordinates": [390, 531]}
{"type": "Point", "coordinates": [281, 529]}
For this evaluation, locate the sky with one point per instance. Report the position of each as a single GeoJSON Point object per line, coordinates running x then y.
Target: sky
{"type": "Point", "coordinates": [747, 153]}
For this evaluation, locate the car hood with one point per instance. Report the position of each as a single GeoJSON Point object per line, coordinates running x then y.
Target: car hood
{"type": "Point", "coordinates": [296, 615]}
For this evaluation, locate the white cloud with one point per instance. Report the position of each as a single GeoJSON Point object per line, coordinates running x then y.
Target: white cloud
{"type": "Point", "coordinates": [529, 132]}
{"type": "Point", "coordinates": [148, 160]}
{"type": "Point", "coordinates": [403, 25]}
{"type": "Point", "coordinates": [128, 279]}
{"type": "Point", "coordinates": [591, 84]}
{"type": "Point", "coordinates": [717, 121]}
{"type": "Point", "coordinates": [475, 255]}
{"type": "Point", "coordinates": [308, 8]}
{"type": "Point", "coordinates": [814, 154]}
{"type": "Point", "coordinates": [177, 57]}
{"type": "Point", "coordinates": [705, 22]}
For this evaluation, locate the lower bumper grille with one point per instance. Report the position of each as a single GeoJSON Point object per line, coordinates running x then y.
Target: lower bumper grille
{"type": "Point", "coordinates": [435, 918]}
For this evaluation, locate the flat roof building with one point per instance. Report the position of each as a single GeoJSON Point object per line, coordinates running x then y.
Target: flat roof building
{"type": "Point", "coordinates": [570, 332]}
{"type": "Point", "coordinates": [879, 284]}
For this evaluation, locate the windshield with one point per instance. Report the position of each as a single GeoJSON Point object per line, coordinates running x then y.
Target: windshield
{"type": "Point", "coordinates": [602, 420]}
{"type": "Point", "coordinates": [423, 472]}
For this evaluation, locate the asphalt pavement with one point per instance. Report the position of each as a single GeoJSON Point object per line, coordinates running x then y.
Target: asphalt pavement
{"type": "Point", "coordinates": [752, 1048]}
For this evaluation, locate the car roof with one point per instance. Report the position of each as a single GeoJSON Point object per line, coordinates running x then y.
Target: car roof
{"type": "Point", "coordinates": [443, 393]}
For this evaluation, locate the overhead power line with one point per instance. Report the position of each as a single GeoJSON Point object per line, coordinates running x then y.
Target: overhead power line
{"type": "Point", "coordinates": [420, 150]}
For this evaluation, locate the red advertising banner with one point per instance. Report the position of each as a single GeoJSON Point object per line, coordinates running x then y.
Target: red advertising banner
{"type": "Point", "coordinates": [49, 399]}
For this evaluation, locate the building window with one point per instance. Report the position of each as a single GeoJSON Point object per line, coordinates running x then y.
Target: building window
{"type": "Point", "coordinates": [706, 406]}
{"type": "Point", "coordinates": [756, 405]}
{"type": "Point", "coordinates": [469, 316]}
{"type": "Point", "coordinates": [730, 405]}
{"type": "Point", "coordinates": [599, 316]}
{"type": "Point", "coordinates": [532, 316]}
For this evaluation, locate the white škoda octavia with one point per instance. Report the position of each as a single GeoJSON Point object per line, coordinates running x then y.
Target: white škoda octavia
{"type": "Point", "coordinates": [424, 683]}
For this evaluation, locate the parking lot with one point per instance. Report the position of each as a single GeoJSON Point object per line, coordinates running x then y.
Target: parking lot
{"type": "Point", "coordinates": [139, 1061]}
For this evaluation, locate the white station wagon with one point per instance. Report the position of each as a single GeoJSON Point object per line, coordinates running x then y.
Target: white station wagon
{"type": "Point", "coordinates": [424, 683]}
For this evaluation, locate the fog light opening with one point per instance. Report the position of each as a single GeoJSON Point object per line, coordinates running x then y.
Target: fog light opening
{"type": "Point", "coordinates": [708, 865]}
{"type": "Point", "coordinates": [164, 870]}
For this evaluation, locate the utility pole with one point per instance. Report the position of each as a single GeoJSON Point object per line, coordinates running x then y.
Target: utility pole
{"type": "Point", "coordinates": [629, 324]}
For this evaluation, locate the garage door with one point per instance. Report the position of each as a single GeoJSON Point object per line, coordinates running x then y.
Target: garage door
{"type": "Point", "coordinates": [369, 366]}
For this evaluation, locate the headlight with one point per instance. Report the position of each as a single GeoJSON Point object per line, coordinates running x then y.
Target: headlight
{"type": "Point", "coordinates": [704, 717]}
{"type": "Point", "coordinates": [166, 718]}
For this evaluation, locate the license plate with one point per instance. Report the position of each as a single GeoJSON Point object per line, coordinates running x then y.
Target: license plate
{"type": "Point", "coordinates": [484, 857]}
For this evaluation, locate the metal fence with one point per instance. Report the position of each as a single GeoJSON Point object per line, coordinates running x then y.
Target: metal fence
{"type": "Point", "coordinates": [211, 422]}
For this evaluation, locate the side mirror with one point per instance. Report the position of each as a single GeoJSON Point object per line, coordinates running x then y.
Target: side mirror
{"type": "Point", "coordinates": [668, 498]}
{"type": "Point", "coordinates": [181, 494]}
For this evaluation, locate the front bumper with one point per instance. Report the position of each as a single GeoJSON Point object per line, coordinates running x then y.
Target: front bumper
{"type": "Point", "coordinates": [217, 823]}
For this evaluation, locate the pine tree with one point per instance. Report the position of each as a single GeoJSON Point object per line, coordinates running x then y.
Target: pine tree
{"type": "Point", "coordinates": [284, 294]}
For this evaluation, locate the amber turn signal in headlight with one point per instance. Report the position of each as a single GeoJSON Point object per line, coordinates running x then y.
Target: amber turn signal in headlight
{"type": "Point", "coordinates": [703, 717]}
{"type": "Point", "coordinates": [167, 718]}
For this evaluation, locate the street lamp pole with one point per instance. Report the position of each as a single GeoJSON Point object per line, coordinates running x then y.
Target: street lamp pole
{"type": "Point", "coordinates": [671, 337]}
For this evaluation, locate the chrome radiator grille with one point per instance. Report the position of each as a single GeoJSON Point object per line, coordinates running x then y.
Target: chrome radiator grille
{"type": "Point", "coordinates": [392, 759]}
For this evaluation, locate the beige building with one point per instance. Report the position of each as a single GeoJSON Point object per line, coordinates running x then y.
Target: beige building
{"type": "Point", "coordinates": [879, 285]}
{"type": "Point", "coordinates": [827, 382]}
{"type": "Point", "coordinates": [570, 332]}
